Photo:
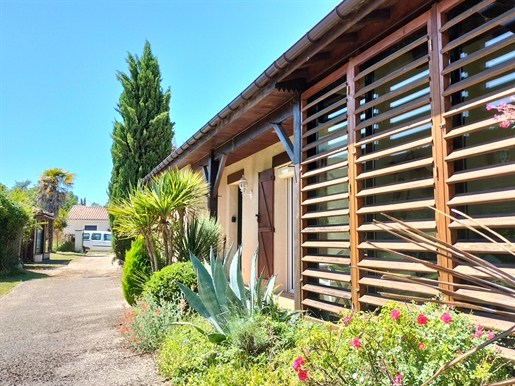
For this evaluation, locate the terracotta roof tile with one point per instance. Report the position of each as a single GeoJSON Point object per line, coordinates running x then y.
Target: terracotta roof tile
{"type": "Point", "coordinates": [84, 212]}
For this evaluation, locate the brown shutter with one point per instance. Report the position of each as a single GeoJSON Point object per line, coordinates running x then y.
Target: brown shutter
{"type": "Point", "coordinates": [265, 219]}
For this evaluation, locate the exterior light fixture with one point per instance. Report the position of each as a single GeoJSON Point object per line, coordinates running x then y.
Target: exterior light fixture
{"type": "Point", "coordinates": [243, 185]}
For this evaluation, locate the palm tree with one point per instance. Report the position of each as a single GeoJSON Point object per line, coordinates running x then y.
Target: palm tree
{"type": "Point", "coordinates": [52, 186]}
{"type": "Point", "coordinates": [161, 211]}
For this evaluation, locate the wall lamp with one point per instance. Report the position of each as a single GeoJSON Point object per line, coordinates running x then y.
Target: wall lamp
{"type": "Point", "coordinates": [243, 185]}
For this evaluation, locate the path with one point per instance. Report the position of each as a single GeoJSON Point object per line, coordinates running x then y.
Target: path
{"type": "Point", "coordinates": [62, 330]}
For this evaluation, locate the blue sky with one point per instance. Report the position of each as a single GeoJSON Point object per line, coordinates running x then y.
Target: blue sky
{"type": "Point", "coordinates": [58, 63]}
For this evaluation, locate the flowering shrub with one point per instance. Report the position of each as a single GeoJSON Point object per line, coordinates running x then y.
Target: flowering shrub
{"type": "Point", "coordinates": [507, 113]}
{"type": "Point", "coordinates": [146, 324]}
{"type": "Point", "coordinates": [400, 345]}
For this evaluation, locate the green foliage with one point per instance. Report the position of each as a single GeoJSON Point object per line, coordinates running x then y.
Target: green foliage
{"type": "Point", "coordinates": [136, 270]}
{"type": "Point", "coordinates": [143, 137]}
{"type": "Point", "coordinates": [163, 285]}
{"type": "Point", "coordinates": [401, 344]}
{"type": "Point", "coordinates": [222, 300]}
{"type": "Point", "coordinates": [202, 235]}
{"type": "Point", "coordinates": [146, 325]}
{"type": "Point", "coordinates": [13, 217]}
{"type": "Point", "coordinates": [68, 245]}
{"type": "Point", "coordinates": [187, 358]}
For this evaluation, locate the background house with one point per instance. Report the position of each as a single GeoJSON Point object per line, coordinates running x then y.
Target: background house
{"type": "Point", "coordinates": [83, 217]}
{"type": "Point", "coordinates": [379, 108]}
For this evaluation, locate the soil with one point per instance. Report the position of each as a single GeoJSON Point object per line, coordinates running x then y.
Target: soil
{"type": "Point", "coordinates": [62, 330]}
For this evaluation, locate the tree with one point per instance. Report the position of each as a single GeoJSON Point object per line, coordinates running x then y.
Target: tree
{"type": "Point", "coordinates": [52, 187]}
{"type": "Point", "coordinates": [143, 137]}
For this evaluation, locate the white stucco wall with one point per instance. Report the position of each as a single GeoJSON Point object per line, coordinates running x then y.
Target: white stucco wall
{"type": "Point", "coordinates": [73, 225]}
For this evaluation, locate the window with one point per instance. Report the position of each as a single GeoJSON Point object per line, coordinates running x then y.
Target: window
{"type": "Point", "coordinates": [107, 237]}
{"type": "Point", "coordinates": [96, 236]}
{"type": "Point", "coordinates": [90, 227]}
{"type": "Point", "coordinates": [85, 236]}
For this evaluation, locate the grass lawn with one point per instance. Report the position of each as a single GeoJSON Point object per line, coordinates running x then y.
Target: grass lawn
{"type": "Point", "coordinates": [35, 270]}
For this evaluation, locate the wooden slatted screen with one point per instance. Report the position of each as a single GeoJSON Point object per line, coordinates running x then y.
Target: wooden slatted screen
{"type": "Point", "coordinates": [403, 126]}
{"type": "Point", "coordinates": [324, 195]}
{"type": "Point", "coordinates": [479, 68]}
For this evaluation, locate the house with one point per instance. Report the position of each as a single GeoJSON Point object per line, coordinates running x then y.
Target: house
{"type": "Point", "coordinates": [379, 108]}
{"type": "Point", "coordinates": [87, 218]}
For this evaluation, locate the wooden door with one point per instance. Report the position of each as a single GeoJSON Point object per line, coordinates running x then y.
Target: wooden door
{"type": "Point", "coordinates": [265, 219]}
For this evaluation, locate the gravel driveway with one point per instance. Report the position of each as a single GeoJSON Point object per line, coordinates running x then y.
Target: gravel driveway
{"type": "Point", "coordinates": [62, 330]}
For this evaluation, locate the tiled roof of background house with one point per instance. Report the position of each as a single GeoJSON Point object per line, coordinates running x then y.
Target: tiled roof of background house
{"type": "Point", "coordinates": [83, 212]}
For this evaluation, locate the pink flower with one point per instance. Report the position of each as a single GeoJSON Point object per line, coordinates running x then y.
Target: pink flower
{"type": "Point", "coordinates": [394, 314]}
{"type": "Point", "coordinates": [346, 320]}
{"type": "Point", "coordinates": [490, 335]}
{"type": "Point", "coordinates": [504, 124]}
{"type": "Point", "coordinates": [478, 333]}
{"type": "Point", "coordinates": [356, 342]}
{"type": "Point", "coordinates": [489, 107]}
{"type": "Point", "coordinates": [446, 317]}
{"type": "Point", "coordinates": [502, 104]}
{"type": "Point", "coordinates": [303, 375]}
{"type": "Point", "coordinates": [421, 345]}
{"type": "Point", "coordinates": [422, 319]}
{"type": "Point", "coordinates": [397, 380]}
{"type": "Point", "coordinates": [297, 362]}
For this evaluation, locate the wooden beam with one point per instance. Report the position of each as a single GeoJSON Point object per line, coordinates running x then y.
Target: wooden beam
{"type": "Point", "coordinates": [221, 166]}
{"type": "Point", "coordinates": [297, 222]}
{"type": "Point", "coordinates": [285, 140]}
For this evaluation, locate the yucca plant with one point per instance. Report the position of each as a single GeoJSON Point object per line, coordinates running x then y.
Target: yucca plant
{"type": "Point", "coordinates": [502, 283]}
{"type": "Point", "coordinates": [222, 298]}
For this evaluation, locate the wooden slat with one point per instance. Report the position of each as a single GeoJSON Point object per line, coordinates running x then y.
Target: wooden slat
{"type": "Point", "coordinates": [478, 54]}
{"type": "Point", "coordinates": [325, 169]}
{"type": "Point", "coordinates": [410, 185]}
{"type": "Point", "coordinates": [327, 94]}
{"type": "Point", "coordinates": [483, 247]}
{"type": "Point", "coordinates": [396, 149]}
{"type": "Point", "coordinates": [421, 163]}
{"type": "Point", "coordinates": [477, 31]}
{"type": "Point", "coordinates": [399, 206]}
{"type": "Point", "coordinates": [327, 213]}
{"type": "Point", "coordinates": [465, 14]}
{"type": "Point", "coordinates": [491, 323]}
{"type": "Point", "coordinates": [337, 134]}
{"type": "Point", "coordinates": [489, 147]}
{"type": "Point", "coordinates": [327, 110]}
{"type": "Point", "coordinates": [326, 244]}
{"type": "Point", "coordinates": [398, 285]}
{"type": "Point", "coordinates": [480, 77]}
{"type": "Point", "coordinates": [323, 306]}
{"type": "Point", "coordinates": [491, 222]}
{"type": "Point", "coordinates": [338, 293]}
{"type": "Point", "coordinates": [326, 229]}
{"type": "Point", "coordinates": [391, 76]}
{"type": "Point", "coordinates": [404, 108]}
{"type": "Point", "coordinates": [423, 225]}
{"type": "Point", "coordinates": [489, 297]}
{"type": "Point", "coordinates": [325, 125]}
{"type": "Point", "coordinates": [484, 172]}
{"type": "Point", "coordinates": [479, 101]}
{"type": "Point", "coordinates": [473, 271]}
{"type": "Point", "coordinates": [326, 259]}
{"type": "Point", "coordinates": [337, 276]}
{"type": "Point", "coordinates": [395, 130]}
{"type": "Point", "coordinates": [480, 198]}
{"type": "Point", "coordinates": [325, 184]}
{"type": "Point", "coordinates": [467, 129]}
{"type": "Point", "coordinates": [325, 199]}
{"type": "Point", "coordinates": [394, 265]}
{"type": "Point", "coordinates": [395, 246]}
{"type": "Point", "coordinates": [323, 155]}
{"type": "Point", "coordinates": [374, 300]}
{"type": "Point", "coordinates": [391, 57]}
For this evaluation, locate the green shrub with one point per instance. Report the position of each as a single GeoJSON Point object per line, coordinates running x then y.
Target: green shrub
{"type": "Point", "coordinates": [68, 245]}
{"type": "Point", "coordinates": [146, 325]}
{"type": "Point", "coordinates": [163, 284]}
{"type": "Point", "coordinates": [136, 270]}
{"type": "Point", "coordinates": [202, 235]}
{"type": "Point", "coordinates": [400, 345]}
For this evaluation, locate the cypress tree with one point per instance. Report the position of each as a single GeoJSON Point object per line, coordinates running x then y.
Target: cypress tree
{"type": "Point", "coordinates": [143, 137]}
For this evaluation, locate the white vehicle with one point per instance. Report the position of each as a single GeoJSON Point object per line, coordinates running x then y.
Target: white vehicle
{"type": "Point", "coordinates": [96, 241]}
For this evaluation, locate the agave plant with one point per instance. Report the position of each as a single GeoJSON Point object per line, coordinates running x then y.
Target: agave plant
{"type": "Point", "coordinates": [222, 296]}
{"type": "Point", "coordinates": [502, 283]}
